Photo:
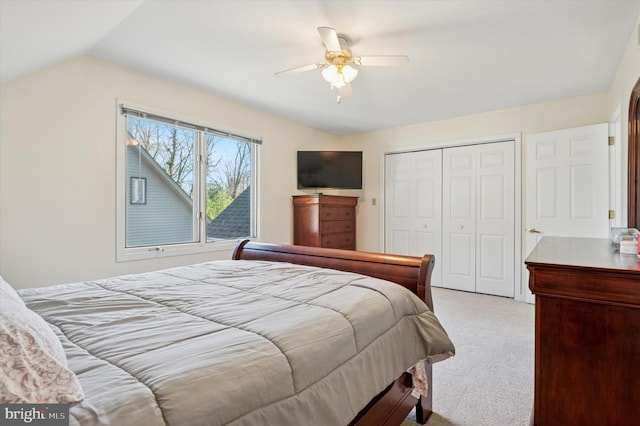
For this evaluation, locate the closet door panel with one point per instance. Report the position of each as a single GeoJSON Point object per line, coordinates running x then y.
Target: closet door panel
{"type": "Point", "coordinates": [492, 256]}
{"type": "Point", "coordinates": [495, 219]}
{"type": "Point", "coordinates": [460, 256]}
{"type": "Point", "coordinates": [413, 206]}
{"type": "Point", "coordinates": [400, 242]}
{"type": "Point", "coordinates": [458, 204]}
{"type": "Point", "coordinates": [458, 214]}
{"type": "Point", "coordinates": [428, 208]}
{"type": "Point", "coordinates": [398, 183]}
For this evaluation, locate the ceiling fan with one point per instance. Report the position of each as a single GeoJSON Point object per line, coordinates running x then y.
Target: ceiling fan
{"type": "Point", "coordinates": [337, 69]}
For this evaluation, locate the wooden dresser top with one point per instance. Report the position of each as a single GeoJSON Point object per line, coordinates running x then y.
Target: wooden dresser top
{"type": "Point", "coordinates": [582, 253]}
{"type": "Point", "coordinates": [338, 200]}
{"type": "Point", "coordinates": [584, 269]}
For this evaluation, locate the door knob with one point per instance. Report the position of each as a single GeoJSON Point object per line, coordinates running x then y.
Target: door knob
{"type": "Point", "coordinates": [533, 231]}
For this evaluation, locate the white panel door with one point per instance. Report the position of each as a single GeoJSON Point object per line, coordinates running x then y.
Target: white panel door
{"type": "Point", "coordinates": [459, 218]}
{"type": "Point", "coordinates": [495, 219]}
{"type": "Point", "coordinates": [398, 184]}
{"type": "Point", "coordinates": [566, 185]}
{"type": "Point", "coordinates": [428, 208]}
{"type": "Point", "coordinates": [413, 205]}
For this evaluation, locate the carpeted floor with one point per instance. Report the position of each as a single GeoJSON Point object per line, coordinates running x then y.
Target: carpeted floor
{"type": "Point", "coordinates": [490, 380]}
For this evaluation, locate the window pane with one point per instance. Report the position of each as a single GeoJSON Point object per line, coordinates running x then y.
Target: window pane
{"type": "Point", "coordinates": [229, 164]}
{"type": "Point", "coordinates": [160, 183]}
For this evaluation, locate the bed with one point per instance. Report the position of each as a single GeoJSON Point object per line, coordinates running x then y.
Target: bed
{"type": "Point", "coordinates": [279, 334]}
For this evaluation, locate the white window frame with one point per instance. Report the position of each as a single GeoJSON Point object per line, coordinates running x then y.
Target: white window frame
{"type": "Point", "coordinates": [123, 253]}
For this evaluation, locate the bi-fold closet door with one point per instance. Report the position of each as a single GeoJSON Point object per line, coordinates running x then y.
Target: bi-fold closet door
{"type": "Point", "coordinates": [478, 218]}
{"type": "Point", "coordinates": [413, 197]}
{"type": "Point", "coordinates": [470, 202]}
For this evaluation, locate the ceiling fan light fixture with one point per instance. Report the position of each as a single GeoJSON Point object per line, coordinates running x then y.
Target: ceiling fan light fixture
{"type": "Point", "coordinates": [349, 73]}
{"type": "Point", "coordinates": [337, 69]}
{"type": "Point", "coordinates": [339, 75]}
{"type": "Point", "coordinates": [333, 76]}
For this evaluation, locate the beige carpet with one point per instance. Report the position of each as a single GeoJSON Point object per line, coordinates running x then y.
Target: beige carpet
{"type": "Point", "coordinates": [490, 380]}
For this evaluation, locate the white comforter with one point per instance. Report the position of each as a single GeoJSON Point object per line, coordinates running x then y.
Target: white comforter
{"type": "Point", "coordinates": [236, 342]}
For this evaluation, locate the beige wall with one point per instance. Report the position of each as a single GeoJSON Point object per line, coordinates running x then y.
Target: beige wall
{"type": "Point", "coordinates": [522, 120]}
{"type": "Point", "coordinates": [58, 170]}
{"type": "Point", "coordinates": [57, 160]}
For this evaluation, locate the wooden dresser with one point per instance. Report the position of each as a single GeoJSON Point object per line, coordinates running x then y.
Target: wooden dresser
{"type": "Point", "coordinates": [324, 221]}
{"type": "Point", "coordinates": [587, 333]}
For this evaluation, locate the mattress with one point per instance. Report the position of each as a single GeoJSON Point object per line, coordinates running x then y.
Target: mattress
{"type": "Point", "coordinates": [236, 343]}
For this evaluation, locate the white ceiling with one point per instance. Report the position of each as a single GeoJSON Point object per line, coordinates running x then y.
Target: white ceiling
{"type": "Point", "coordinates": [466, 56]}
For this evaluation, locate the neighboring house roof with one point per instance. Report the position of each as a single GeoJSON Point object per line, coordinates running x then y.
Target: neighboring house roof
{"type": "Point", "coordinates": [234, 221]}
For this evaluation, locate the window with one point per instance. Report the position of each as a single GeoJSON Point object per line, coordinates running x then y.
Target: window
{"type": "Point", "coordinates": [182, 187]}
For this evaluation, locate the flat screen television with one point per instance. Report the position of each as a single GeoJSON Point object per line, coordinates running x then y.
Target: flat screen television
{"type": "Point", "coordinates": [330, 169]}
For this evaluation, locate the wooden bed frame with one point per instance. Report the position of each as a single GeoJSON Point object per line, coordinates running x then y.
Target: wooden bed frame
{"type": "Point", "coordinates": [393, 404]}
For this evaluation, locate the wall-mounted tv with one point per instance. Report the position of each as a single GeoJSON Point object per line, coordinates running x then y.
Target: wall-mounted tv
{"type": "Point", "coordinates": [330, 169]}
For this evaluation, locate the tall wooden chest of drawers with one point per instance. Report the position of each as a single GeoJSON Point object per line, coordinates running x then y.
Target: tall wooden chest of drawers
{"type": "Point", "coordinates": [324, 221]}
{"type": "Point", "coordinates": [587, 333]}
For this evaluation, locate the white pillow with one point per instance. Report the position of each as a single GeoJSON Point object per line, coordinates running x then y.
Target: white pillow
{"type": "Point", "coordinates": [33, 365]}
{"type": "Point", "coordinates": [7, 293]}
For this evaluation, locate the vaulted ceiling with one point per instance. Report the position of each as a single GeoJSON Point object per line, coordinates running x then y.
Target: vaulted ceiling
{"type": "Point", "coordinates": [464, 56]}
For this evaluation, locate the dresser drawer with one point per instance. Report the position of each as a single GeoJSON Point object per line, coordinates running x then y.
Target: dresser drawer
{"type": "Point", "coordinates": [336, 213]}
{"type": "Point", "coordinates": [338, 226]}
{"type": "Point", "coordinates": [343, 241]}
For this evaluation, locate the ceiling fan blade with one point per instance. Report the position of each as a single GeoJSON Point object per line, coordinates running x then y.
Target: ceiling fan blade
{"type": "Point", "coordinates": [300, 69]}
{"type": "Point", "coordinates": [330, 39]}
{"type": "Point", "coordinates": [382, 61]}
